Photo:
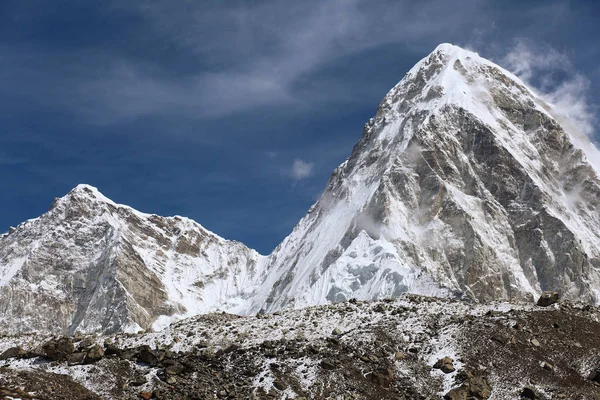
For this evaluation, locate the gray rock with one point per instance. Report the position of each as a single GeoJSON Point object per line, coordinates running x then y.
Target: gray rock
{"type": "Point", "coordinates": [13, 352]}
{"type": "Point", "coordinates": [548, 298]}
{"type": "Point", "coordinates": [446, 365]}
{"type": "Point", "coordinates": [94, 354]}
{"type": "Point", "coordinates": [59, 349]}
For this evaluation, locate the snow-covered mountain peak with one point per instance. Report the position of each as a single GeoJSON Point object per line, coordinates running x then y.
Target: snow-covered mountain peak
{"type": "Point", "coordinates": [90, 201]}
{"type": "Point", "coordinates": [91, 264]}
{"type": "Point", "coordinates": [90, 192]}
{"type": "Point", "coordinates": [453, 76]}
{"type": "Point", "coordinates": [463, 184]}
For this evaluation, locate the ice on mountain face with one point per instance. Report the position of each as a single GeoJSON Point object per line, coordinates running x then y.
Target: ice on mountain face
{"type": "Point", "coordinates": [464, 183]}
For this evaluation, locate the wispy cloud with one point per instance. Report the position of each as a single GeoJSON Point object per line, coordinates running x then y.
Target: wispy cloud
{"type": "Point", "coordinates": [524, 59]}
{"type": "Point", "coordinates": [553, 74]}
{"type": "Point", "coordinates": [301, 170]}
{"type": "Point", "coordinates": [208, 61]}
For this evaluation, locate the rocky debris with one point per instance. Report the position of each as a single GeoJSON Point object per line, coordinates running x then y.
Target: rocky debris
{"type": "Point", "coordinates": [548, 298]}
{"type": "Point", "coordinates": [41, 385]}
{"type": "Point", "coordinates": [15, 393]}
{"type": "Point", "coordinates": [446, 365]}
{"type": "Point", "coordinates": [59, 349]}
{"type": "Point", "coordinates": [296, 352]}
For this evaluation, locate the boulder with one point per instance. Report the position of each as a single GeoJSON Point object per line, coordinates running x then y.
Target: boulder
{"type": "Point", "coordinates": [474, 387]}
{"type": "Point", "coordinates": [85, 343]}
{"type": "Point", "coordinates": [111, 349]}
{"type": "Point", "coordinates": [174, 369]}
{"type": "Point", "coordinates": [147, 355]}
{"type": "Point", "coordinates": [595, 375]}
{"type": "Point", "coordinates": [460, 393]}
{"type": "Point", "coordinates": [327, 365]}
{"type": "Point", "coordinates": [479, 388]}
{"type": "Point", "coordinates": [446, 365]}
{"type": "Point", "coordinates": [548, 298]}
{"type": "Point", "coordinates": [59, 349]}
{"type": "Point", "coordinates": [529, 393]}
{"type": "Point", "coordinates": [501, 338]}
{"type": "Point", "coordinates": [547, 366]}
{"type": "Point", "coordinates": [76, 358]}
{"type": "Point", "coordinates": [382, 377]}
{"type": "Point", "coordinates": [94, 354]}
{"type": "Point", "coordinates": [13, 352]}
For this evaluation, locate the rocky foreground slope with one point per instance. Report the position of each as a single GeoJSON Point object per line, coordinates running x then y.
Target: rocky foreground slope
{"type": "Point", "coordinates": [412, 347]}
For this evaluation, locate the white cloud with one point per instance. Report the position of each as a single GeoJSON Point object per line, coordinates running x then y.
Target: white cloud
{"type": "Point", "coordinates": [568, 93]}
{"type": "Point", "coordinates": [238, 56]}
{"type": "Point", "coordinates": [525, 60]}
{"type": "Point", "coordinates": [301, 169]}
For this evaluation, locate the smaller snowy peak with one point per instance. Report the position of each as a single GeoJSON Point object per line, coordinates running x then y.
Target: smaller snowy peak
{"type": "Point", "coordinates": [95, 265]}
{"type": "Point", "coordinates": [88, 194]}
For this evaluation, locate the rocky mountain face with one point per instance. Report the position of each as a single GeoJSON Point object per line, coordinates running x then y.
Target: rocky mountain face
{"type": "Point", "coordinates": [464, 184]}
{"type": "Point", "coordinates": [412, 347]}
{"type": "Point", "coordinates": [95, 266]}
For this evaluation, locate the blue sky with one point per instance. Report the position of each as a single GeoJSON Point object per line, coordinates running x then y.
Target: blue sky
{"type": "Point", "coordinates": [235, 113]}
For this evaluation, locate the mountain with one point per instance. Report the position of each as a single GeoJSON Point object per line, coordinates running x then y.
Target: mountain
{"type": "Point", "coordinates": [89, 264]}
{"type": "Point", "coordinates": [464, 184]}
